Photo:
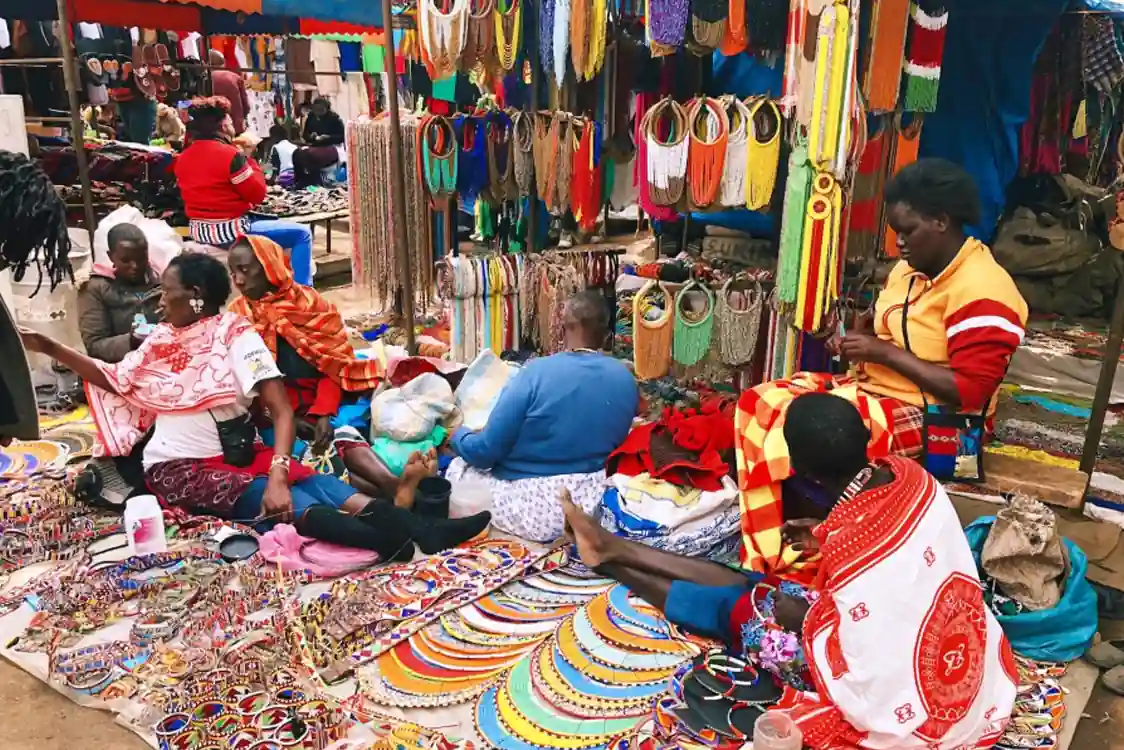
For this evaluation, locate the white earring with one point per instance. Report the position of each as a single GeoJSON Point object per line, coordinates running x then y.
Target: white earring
{"type": "Point", "coordinates": [197, 305]}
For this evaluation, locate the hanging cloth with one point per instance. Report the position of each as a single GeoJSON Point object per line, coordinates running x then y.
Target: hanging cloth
{"type": "Point", "coordinates": [888, 28]}
{"type": "Point", "coordinates": [585, 190]}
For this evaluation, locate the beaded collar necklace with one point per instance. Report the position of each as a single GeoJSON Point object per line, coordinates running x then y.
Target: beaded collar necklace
{"type": "Point", "coordinates": [508, 31]}
{"type": "Point", "coordinates": [666, 159]}
{"type": "Point", "coordinates": [734, 168]}
{"type": "Point", "coordinates": [438, 144]}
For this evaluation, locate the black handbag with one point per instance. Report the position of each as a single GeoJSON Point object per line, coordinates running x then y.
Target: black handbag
{"type": "Point", "coordinates": [238, 437]}
{"type": "Point", "coordinates": [952, 443]}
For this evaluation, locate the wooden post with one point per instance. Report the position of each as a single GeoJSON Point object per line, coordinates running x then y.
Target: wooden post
{"type": "Point", "coordinates": [210, 86]}
{"type": "Point", "coordinates": [78, 128]}
{"type": "Point", "coordinates": [532, 47]}
{"type": "Point", "coordinates": [397, 182]}
{"type": "Point", "coordinates": [1103, 395]}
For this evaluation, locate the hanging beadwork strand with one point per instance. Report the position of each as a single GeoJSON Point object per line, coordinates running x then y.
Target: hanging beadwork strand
{"type": "Point", "coordinates": [883, 77]}
{"type": "Point", "coordinates": [561, 33]}
{"type": "Point", "coordinates": [925, 57]}
{"type": "Point", "coordinates": [737, 36]}
{"type": "Point", "coordinates": [439, 156]}
{"type": "Point", "coordinates": [651, 340]}
{"type": "Point", "coordinates": [793, 54]}
{"type": "Point", "coordinates": [734, 169]}
{"type": "Point", "coordinates": [738, 328]}
{"type": "Point", "coordinates": [562, 163]}
{"type": "Point", "coordinates": [443, 35]}
{"type": "Point", "coordinates": [501, 174]}
{"type": "Point", "coordinates": [480, 41]}
{"type": "Point", "coordinates": [508, 31]}
{"type": "Point", "coordinates": [832, 44]}
{"type": "Point", "coordinates": [585, 189]}
{"type": "Point", "coordinates": [763, 153]}
{"type": "Point", "coordinates": [819, 264]}
{"type": "Point", "coordinates": [792, 221]}
{"type": "Point", "coordinates": [588, 21]}
{"type": "Point", "coordinates": [708, 25]}
{"type": "Point", "coordinates": [523, 151]}
{"type": "Point", "coordinates": [706, 153]}
{"type": "Point", "coordinates": [691, 339]}
{"type": "Point", "coordinates": [543, 156]}
{"type": "Point", "coordinates": [666, 159]}
{"type": "Point", "coordinates": [666, 25]}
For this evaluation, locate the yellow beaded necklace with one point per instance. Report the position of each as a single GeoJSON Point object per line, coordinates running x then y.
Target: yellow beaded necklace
{"type": "Point", "coordinates": [828, 93]}
{"type": "Point", "coordinates": [763, 153]}
{"type": "Point", "coordinates": [509, 31]}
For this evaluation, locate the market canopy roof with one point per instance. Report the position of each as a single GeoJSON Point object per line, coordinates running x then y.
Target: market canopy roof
{"type": "Point", "coordinates": [362, 12]}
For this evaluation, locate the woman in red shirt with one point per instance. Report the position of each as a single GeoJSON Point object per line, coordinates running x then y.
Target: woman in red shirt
{"type": "Point", "coordinates": [220, 185]}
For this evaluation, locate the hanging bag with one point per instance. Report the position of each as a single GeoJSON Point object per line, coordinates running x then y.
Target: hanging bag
{"type": "Point", "coordinates": [951, 442]}
{"type": "Point", "coordinates": [238, 437]}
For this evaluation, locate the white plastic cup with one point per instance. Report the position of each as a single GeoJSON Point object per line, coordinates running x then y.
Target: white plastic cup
{"type": "Point", "coordinates": [774, 730]}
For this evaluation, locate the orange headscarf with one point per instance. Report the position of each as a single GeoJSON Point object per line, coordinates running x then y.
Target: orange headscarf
{"type": "Point", "coordinates": [311, 324]}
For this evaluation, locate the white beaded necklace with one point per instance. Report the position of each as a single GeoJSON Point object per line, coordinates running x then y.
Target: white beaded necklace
{"type": "Point", "coordinates": [733, 174]}
{"type": "Point", "coordinates": [666, 162]}
{"type": "Point", "coordinates": [561, 40]}
{"type": "Point", "coordinates": [443, 34]}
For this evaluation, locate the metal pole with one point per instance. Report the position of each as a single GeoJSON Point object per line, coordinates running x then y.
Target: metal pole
{"type": "Point", "coordinates": [532, 47]}
{"type": "Point", "coordinates": [397, 182]}
{"type": "Point", "coordinates": [206, 53]}
{"type": "Point", "coordinates": [1103, 394]}
{"type": "Point", "coordinates": [77, 136]}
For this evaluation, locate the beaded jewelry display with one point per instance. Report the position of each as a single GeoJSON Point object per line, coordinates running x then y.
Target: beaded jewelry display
{"type": "Point", "coordinates": [706, 151]}
{"type": "Point", "coordinates": [738, 328]}
{"type": "Point", "coordinates": [708, 25]}
{"type": "Point", "coordinates": [819, 264]}
{"type": "Point", "coordinates": [480, 41]}
{"type": "Point", "coordinates": [508, 31]}
{"type": "Point", "coordinates": [829, 110]}
{"type": "Point", "coordinates": [691, 340]}
{"type": "Point", "coordinates": [651, 340]}
{"type": "Point", "coordinates": [523, 150]}
{"type": "Point", "coordinates": [439, 156]}
{"type": "Point", "coordinates": [763, 153]}
{"type": "Point", "coordinates": [443, 35]}
{"type": "Point", "coordinates": [734, 167]}
{"type": "Point", "coordinates": [666, 159]}
{"type": "Point", "coordinates": [665, 25]}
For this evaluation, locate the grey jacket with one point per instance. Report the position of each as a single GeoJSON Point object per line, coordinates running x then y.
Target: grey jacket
{"type": "Point", "coordinates": [106, 308]}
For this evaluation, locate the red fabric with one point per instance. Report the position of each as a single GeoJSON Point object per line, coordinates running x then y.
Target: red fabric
{"type": "Point", "coordinates": [311, 27]}
{"type": "Point", "coordinates": [260, 466]}
{"type": "Point", "coordinates": [701, 436]}
{"type": "Point", "coordinates": [203, 173]}
{"type": "Point", "coordinates": [233, 87]}
{"type": "Point", "coordinates": [149, 15]}
{"type": "Point", "coordinates": [980, 348]}
{"type": "Point", "coordinates": [314, 397]}
{"type": "Point", "coordinates": [407, 369]}
{"type": "Point", "coordinates": [926, 46]}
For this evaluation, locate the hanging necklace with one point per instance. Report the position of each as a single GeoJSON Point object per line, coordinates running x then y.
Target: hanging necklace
{"type": "Point", "coordinates": [585, 190]}
{"type": "Point", "coordinates": [443, 35]}
{"type": "Point", "coordinates": [542, 154]}
{"type": "Point", "coordinates": [734, 168]}
{"type": "Point", "coordinates": [666, 160]}
{"type": "Point", "coordinates": [481, 38]}
{"type": "Point", "coordinates": [706, 153]}
{"type": "Point", "coordinates": [588, 19]}
{"type": "Point", "coordinates": [472, 176]}
{"type": "Point", "coordinates": [828, 95]}
{"type": "Point", "coordinates": [439, 152]}
{"type": "Point", "coordinates": [692, 337]}
{"type": "Point", "coordinates": [561, 34]}
{"type": "Point", "coordinates": [792, 220]}
{"type": "Point", "coordinates": [523, 150]}
{"type": "Point", "coordinates": [651, 341]}
{"type": "Point", "coordinates": [500, 157]}
{"type": "Point", "coordinates": [819, 264]}
{"type": "Point", "coordinates": [923, 61]}
{"type": "Point", "coordinates": [887, 50]}
{"type": "Point", "coordinates": [562, 159]}
{"type": "Point", "coordinates": [737, 37]}
{"type": "Point", "coordinates": [708, 25]}
{"type": "Point", "coordinates": [665, 25]}
{"type": "Point", "coordinates": [763, 153]}
{"type": "Point", "coordinates": [509, 31]}
{"type": "Point", "coordinates": [738, 327]}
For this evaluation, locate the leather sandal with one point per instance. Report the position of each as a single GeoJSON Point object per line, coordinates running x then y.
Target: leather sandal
{"type": "Point", "coordinates": [1106, 654]}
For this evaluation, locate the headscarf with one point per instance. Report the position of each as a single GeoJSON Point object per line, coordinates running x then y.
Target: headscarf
{"type": "Point", "coordinates": [311, 324]}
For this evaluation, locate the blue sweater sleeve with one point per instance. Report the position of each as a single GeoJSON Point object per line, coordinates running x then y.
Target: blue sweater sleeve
{"type": "Point", "coordinates": [486, 448]}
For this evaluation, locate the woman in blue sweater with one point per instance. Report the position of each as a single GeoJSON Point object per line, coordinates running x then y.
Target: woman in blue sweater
{"type": "Point", "coordinates": [554, 426]}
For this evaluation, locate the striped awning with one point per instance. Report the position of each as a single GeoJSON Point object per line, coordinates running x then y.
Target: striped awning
{"type": "Point", "coordinates": [361, 12]}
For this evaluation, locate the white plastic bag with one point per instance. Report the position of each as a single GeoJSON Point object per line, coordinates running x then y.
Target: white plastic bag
{"type": "Point", "coordinates": [411, 412]}
{"type": "Point", "coordinates": [163, 241]}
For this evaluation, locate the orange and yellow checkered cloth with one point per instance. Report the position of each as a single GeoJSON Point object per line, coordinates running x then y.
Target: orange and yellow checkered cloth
{"type": "Point", "coordinates": [763, 463]}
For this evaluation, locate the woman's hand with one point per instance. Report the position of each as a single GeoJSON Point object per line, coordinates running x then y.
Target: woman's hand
{"type": "Point", "coordinates": [862, 347]}
{"type": "Point", "coordinates": [277, 502]}
{"type": "Point", "coordinates": [34, 341]}
{"type": "Point", "coordinates": [322, 435]}
{"type": "Point", "coordinates": [798, 534]}
{"type": "Point", "coordinates": [789, 612]}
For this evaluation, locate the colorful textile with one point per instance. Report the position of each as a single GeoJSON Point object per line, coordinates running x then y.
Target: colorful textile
{"type": "Point", "coordinates": [1102, 64]}
{"type": "Point", "coordinates": [970, 318]}
{"type": "Point", "coordinates": [529, 508]}
{"type": "Point", "coordinates": [311, 324]}
{"type": "Point", "coordinates": [903, 651]}
{"type": "Point", "coordinates": [763, 463]}
{"type": "Point", "coordinates": [173, 371]}
{"type": "Point", "coordinates": [283, 546]}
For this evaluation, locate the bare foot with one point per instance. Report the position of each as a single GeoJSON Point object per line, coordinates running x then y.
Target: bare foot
{"type": "Point", "coordinates": [417, 468]}
{"type": "Point", "coordinates": [593, 542]}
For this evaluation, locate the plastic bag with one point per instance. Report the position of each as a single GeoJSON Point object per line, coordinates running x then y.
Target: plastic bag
{"type": "Point", "coordinates": [411, 412]}
{"type": "Point", "coordinates": [163, 241]}
{"type": "Point", "coordinates": [1061, 633]}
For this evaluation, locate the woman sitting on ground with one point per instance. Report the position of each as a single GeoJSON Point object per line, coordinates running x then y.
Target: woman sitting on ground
{"type": "Point", "coordinates": [902, 649]}
{"type": "Point", "coordinates": [323, 134]}
{"type": "Point", "coordinates": [116, 292]}
{"type": "Point", "coordinates": [965, 320]}
{"type": "Point", "coordinates": [191, 381]}
{"type": "Point", "coordinates": [306, 336]}
{"type": "Point", "coordinates": [221, 185]}
{"type": "Point", "coordinates": [554, 426]}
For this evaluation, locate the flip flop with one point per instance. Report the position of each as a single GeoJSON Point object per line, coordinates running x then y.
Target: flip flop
{"type": "Point", "coordinates": [1106, 654]}
{"type": "Point", "coordinates": [1114, 680]}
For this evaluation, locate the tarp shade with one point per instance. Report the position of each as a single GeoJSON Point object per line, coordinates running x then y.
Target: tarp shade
{"type": "Point", "coordinates": [234, 24]}
{"type": "Point", "coordinates": [362, 12]}
{"type": "Point", "coordinates": [149, 15]}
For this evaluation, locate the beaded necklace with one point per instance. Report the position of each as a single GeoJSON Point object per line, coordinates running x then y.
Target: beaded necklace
{"type": "Point", "coordinates": [792, 220]}
{"type": "Point", "coordinates": [588, 21]}
{"type": "Point", "coordinates": [737, 36]}
{"type": "Point", "coordinates": [819, 265]}
{"type": "Point", "coordinates": [443, 35]}
{"type": "Point", "coordinates": [734, 168]}
{"type": "Point", "coordinates": [651, 341]}
{"type": "Point", "coordinates": [691, 339]}
{"type": "Point", "coordinates": [829, 91]}
{"type": "Point", "coordinates": [763, 153]}
{"type": "Point", "coordinates": [562, 162]}
{"type": "Point", "coordinates": [508, 31]}
{"type": "Point", "coordinates": [708, 25]}
{"type": "Point", "coordinates": [665, 25]}
{"type": "Point", "coordinates": [887, 50]}
{"type": "Point", "coordinates": [542, 154]}
{"type": "Point", "coordinates": [440, 159]}
{"type": "Point", "coordinates": [480, 45]}
{"type": "Point", "coordinates": [523, 150]}
{"type": "Point", "coordinates": [706, 151]}
{"type": "Point", "coordinates": [738, 327]}
{"type": "Point", "coordinates": [666, 160]}
{"type": "Point", "coordinates": [560, 45]}
{"type": "Point", "coordinates": [546, 36]}
{"type": "Point", "coordinates": [472, 161]}
{"type": "Point", "coordinates": [501, 159]}
{"type": "Point", "coordinates": [586, 187]}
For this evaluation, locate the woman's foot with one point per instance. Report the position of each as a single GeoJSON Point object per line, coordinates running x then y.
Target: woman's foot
{"type": "Point", "coordinates": [418, 466]}
{"type": "Point", "coordinates": [595, 545]}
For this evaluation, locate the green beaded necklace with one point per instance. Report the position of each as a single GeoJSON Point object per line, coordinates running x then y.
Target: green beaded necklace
{"type": "Point", "coordinates": [691, 339]}
{"type": "Point", "coordinates": [440, 168]}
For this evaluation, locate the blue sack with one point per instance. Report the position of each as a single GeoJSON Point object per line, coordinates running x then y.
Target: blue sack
{"type": "Point", "coordinates": [1062, 633]}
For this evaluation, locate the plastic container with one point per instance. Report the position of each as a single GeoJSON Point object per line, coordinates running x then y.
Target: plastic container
{"type": "Point", "coordinates": [774, 730]}
{"type": "Point", "coordinates": [432, 498]}
{"type": "Point", "coordinates": [144, 526]}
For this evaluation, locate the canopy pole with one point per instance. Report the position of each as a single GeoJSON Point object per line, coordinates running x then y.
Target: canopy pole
{"type": "Point", "coordinates": [1103, 394]}
{"type": "Point", "coordinates": [78, 129]}
{"type": "Point", "coordinates": [533, 112]}
{"type": "Point", "coordinates": [397, 182]}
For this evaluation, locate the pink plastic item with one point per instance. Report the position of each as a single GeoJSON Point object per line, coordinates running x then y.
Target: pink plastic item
{"type": "Point", "coordinates": [295, 552]}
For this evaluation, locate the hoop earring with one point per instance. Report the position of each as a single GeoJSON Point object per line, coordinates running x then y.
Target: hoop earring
{"type": "Point", "coordinates": [196, 305]}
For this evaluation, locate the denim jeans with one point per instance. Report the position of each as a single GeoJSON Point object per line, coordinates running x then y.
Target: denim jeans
{"type": "Point", "coordinates": [296, 239]}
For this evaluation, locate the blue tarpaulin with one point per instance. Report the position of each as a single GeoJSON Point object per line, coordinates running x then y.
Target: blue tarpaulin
{"type": "Point", "coordinates": [362, 12]}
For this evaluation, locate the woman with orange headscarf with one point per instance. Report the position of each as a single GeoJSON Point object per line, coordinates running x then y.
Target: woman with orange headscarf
{"type": "Point", "coordinates": [324, 378]}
